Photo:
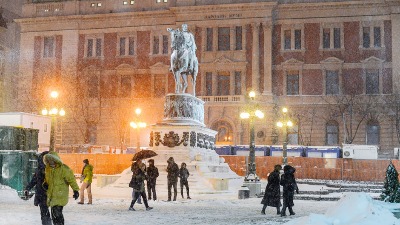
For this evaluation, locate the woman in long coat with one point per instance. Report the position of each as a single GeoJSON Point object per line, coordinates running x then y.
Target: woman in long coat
{"type": "Point", "coordinates": [272, 195]}
{"type": "Point", "coordinates": [289, 186]}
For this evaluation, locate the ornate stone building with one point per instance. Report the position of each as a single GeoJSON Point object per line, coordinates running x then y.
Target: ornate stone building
{"type": "Point", "coordinates": [332, 63]}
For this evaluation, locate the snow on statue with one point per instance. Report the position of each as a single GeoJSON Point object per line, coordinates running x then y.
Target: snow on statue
{"type": "Point", "coordinates": [183, 58]}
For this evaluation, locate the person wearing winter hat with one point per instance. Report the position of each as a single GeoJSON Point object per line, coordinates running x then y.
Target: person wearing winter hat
{"type": "Point", "coordinates": [40, 193]}
{"type": "Point", "coordinates": [86, 180]}
{"type": "Point", "coordinates": [173, 173]}
{"type": "Point", "coordinates": [58, 178]}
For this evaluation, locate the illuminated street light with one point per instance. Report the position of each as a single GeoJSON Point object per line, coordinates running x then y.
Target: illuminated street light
{"type": "Point", "coordinates": [137, 125]}
{"type": "Point", "coordinates": [284, 124]}
{"type": "Point", "coordinates": [251, 180]}
{"type": "Point", "coordinates": [53, 112]}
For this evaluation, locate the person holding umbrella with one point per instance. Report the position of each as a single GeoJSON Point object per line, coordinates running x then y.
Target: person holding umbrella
{"type": "Point", "coordinates": [139, 175]}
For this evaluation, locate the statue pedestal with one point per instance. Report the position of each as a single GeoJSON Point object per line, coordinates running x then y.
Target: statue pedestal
{"type": "Point", "coordinates": [183, 135]}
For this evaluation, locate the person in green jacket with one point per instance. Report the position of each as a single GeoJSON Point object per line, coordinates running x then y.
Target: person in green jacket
{"type": "Point", "coordinates": [86, 178]}
{"type": "Point", "coordinates": [58, 178]}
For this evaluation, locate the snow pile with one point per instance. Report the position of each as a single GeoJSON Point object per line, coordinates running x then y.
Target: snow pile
{"type": "Point", "coordinates": [353, 209]}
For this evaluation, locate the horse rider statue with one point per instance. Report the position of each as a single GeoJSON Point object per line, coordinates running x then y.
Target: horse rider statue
{"type": "Point", "coordinates": [183, 58]}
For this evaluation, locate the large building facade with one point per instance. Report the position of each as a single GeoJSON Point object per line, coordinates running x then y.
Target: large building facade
{"type": "Point", "coordinates": [334, 64]}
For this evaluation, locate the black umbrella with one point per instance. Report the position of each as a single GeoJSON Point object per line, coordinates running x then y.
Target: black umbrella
{"type": "Point", "coordinates": [144, 154]}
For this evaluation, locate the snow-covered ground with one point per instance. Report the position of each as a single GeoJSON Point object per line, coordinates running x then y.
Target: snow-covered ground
{"type": "Point", "coordinates": [110, 206]}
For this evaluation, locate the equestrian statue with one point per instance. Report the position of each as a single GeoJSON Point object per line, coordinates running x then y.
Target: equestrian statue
{"type": "Point", "coordinates": [183, 58]}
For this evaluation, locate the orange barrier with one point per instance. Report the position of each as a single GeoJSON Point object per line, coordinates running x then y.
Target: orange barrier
{"type": "Point", "coordinates": [306, 168]}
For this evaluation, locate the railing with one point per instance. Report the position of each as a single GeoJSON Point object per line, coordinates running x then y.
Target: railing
{"type": "Point", "coordinates": [227, 98]}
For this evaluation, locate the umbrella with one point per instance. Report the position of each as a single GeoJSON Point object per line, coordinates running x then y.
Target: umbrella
{"type": "Point", "coordinates": [144, 154]}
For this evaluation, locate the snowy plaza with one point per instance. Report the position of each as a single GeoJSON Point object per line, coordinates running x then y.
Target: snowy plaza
{"type": "Point", "coordinates": [110, 206]}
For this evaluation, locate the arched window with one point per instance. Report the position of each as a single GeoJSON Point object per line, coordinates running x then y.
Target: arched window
{"type": "Point", "coordinates": [372, 133]}
{"type": "Point", "coordinates": [225, 131]}
{"type": "Point", "coordinates": [332, 133]}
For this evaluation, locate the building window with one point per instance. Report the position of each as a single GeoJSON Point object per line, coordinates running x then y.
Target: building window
{"type": "Point", "coordinates": [156, 45]}
{"type": "Point", "coordinates": [209, 84]}
{"type": "Point", "coordinates": [93, 84]}
{"type": "Point", "coordinates": [293, 135]}
{"type": "Point", "coordinates": [373, 131]}
{"type": "Point", "coordinates": [224, 39]}
{"type": "Point", "coordinates": [225, 131]}
{"type": "Point", "coordinates": [332, 82]}
{"type": "Point", "coordinates": [165, 44]}
{"type": "Point", "coordinates": [159, 86]}
{"type": "Point", "coordinates": [292, 39]}
{"type": "Point", "coordinates": [331, 38]}
{"type": "Point", "coordinates": [372, 82]}
{"type": "Point", "coordinates": [292, 83]}
{"type": "Point", "coordinates": [126, 86]}
{"type": "Point", "coordinates": [238, 83]}
{"type": "Point", "coordinates": [48, 47]}
{"type": "Point", "coordinates": [372, 36]}
{"type": "Point", "coordinates": [223, 83]}
{"type": "Point", "coordinates": [238, 37]}
{"type": "Point", "coordinates": [130, 2]}
{"type": "Point", "coordinates": [126, 46]}
{"type": "Point", "coordinates": [159, 1]}
{"type": "Point", "coordinates": [332, 133]}
{"type": "Point", "coordinates": [209, 42]}
{"type": "Point", "coordinates": [94, 47]}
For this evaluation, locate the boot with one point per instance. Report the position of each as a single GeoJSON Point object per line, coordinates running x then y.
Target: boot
{"type": "Point", "coordinates": [188, 197]}
{"type": "Point", "coordinates": [263, 209]}
{"type": "Point", "coordinates": [131, 206]}
{"type": "Point", "coordinates": [283, 211]}
{"type": "Point", "coordinates": [291, 211]}
{"type": "Point", "coordinates": [278, 212]}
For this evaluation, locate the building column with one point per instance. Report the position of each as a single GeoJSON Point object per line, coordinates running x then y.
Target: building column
{"type": "Point", "coordinates": [267, 28]}
{"type": "Point", "coordinates": [203, 39]}
{"type": "Point", "coordinates": [215, 39]}
{"type": "Point", "coordinates": [396, 54]}
{"type": "Point", "coordinates": [255, 64]}
{"type": "Point", "coordinates": [232, 82]}
{"type": "Point", "coordinates": [214, 82]}
{"type": "Point", "coordinates": [232, 38]}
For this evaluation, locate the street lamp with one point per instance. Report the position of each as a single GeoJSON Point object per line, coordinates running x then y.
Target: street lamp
{"type": "Point", "coordinates": [284, 124]}
{"type": "Point", "coordinates": [137, 125]}
{"type": "Point", "coordinates": [53, 113]}
{"type": "Point", "coordinates": [251, 180]}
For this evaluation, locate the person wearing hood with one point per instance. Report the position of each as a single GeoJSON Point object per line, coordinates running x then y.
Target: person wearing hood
{"type": "Point", "coordinates": [272, 194]}
{"type": "Point", "coordinates": [173, 173]}
{"type": "Point", "coordinates": [58, 178]}
{"type": "Point", "coordinates": [152, 174]}
{"type": "Point", "coordinates": [184, 175]}
{"type": "Point", "coordinates": [40, 193]}
{"type": "Point", "coordinates": [86, 180]}
{"type": "Point", "coordinates": [137, 183]}
{"type": "Point", "coordinates": [289, 184]}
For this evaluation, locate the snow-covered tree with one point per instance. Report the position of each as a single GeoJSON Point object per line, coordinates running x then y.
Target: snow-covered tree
{"type": "Point", "coordinates": [390, 185]}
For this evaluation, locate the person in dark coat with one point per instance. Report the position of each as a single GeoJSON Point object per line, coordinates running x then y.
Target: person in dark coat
{"type": "Point", "coordinates": [184, 175]}
{"type": "Point", "coordinates": [289, 184]}
{"type": "Point", "coordinates": [152, 174]}
{"type": "Point", "coordinates": [40, 193]}
{"type": "Point", "coordinates": [173, 173]}
{"type": "Point", "coordinates": [272, 195]}
{"type": "Point", "coordinates": [133, 168]}
{"type": "Point", "coordinates": [137, 183]}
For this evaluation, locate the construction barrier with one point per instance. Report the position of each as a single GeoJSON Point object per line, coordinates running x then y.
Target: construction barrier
{"type": "Point", "coordinates": [306, 168]}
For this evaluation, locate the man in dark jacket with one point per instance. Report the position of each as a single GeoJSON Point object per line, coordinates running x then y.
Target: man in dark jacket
{"type": "Point", "coordinates": [137, 183]}
{"type": "Point", "coordinates": [173, 173]}
{"type": "Point", "coordinates": [184, 175]}
{"type": "Point", "coordinates": [272, 195]}
{"type": "Point", "coordinates": [40, 192]}
{"type": "Point", "coordinates": [152, 174]}
{"type": "Point", "coordinates": [289, 184]}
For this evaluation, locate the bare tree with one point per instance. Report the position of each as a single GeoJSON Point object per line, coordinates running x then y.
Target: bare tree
{"type": "Point", "coordinates": [352, 110]}
{"type": "Point", "coordinates": [392, 103]}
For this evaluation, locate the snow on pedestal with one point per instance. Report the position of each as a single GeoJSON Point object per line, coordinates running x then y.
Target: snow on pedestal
{"type": "Point", "coordinates": [183, 135]}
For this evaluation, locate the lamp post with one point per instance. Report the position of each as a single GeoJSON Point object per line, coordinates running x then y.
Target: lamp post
{"type": "Point", "coordinates": [251, 180]}
{"type": "Point", "coordinates": [284, 124]}
{"type": "Point", "coordinates": [53, 113]}
{"type": "Point", "coordinates": [137, 125]}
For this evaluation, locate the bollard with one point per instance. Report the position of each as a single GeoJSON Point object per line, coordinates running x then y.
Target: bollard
{"type": "Point", "coordinates": [244, 192]}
